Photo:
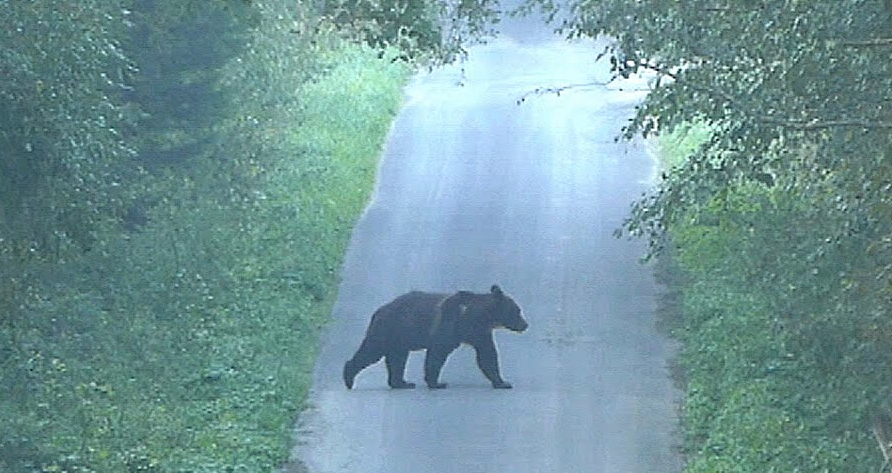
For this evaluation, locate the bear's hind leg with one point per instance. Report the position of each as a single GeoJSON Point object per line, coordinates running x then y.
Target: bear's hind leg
{"type": "Point", "coordinates": [396, 368]}
{"type": "Point", "coordinates": [364, 357]}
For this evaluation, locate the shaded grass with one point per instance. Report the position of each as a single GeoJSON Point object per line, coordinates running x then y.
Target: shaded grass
{"type": "Point", "coordinates": [189, 345]}
{"type": "Point", "coordinates": [777, 371]}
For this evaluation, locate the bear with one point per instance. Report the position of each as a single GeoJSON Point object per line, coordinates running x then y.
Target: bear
{"type": "Point", "coordinates": [437, 323]}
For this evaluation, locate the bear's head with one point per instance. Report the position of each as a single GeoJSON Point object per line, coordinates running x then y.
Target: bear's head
{"type": "Point", "coordinates": [505, 312]}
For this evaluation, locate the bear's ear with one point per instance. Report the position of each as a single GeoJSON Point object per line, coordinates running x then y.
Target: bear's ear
{"type": "Point", "coordinates": [496, 290]}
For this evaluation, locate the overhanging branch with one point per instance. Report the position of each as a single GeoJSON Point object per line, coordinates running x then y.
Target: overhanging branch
{"type": "Point", "coordinates": [558, 90]}
{"type": "Point", "coordinates": [804, 125]}
{"type": "Point", "coordinates": [868, 43]}
{"type": "Point", "coordinates": [819, 125]}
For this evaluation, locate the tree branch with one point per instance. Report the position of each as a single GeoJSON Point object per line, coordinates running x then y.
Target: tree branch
{"type": "Point", "coordinates": [881, 433]}
{"type": "Point", "coordinates": [727, 10]}
{"type": "Point", "coordinates": [557, 90]}
{"type": "Point", "coordinates": [868, 42]}
{"type": "Point", "coordinates": [804, 125]}
{"type": "Point", "coordinates": [819, 125]}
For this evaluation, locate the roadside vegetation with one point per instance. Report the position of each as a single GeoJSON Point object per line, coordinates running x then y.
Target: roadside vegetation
{"type": "Point", "coordinates": [178, 182]}
{"type": "Point", "coordinates": [775, 216]}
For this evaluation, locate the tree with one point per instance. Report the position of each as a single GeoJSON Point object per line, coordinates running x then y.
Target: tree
{"type": "Point", "coordinates": [428, 30]}
{"type": "Point", "coordinates": [803, 74]}
{"type": "Point", "coordinates": [65, 157]}
{"type": "Point", "coordinates": [782, 217]}
{"type": "Point", "coordinates": [172, 214]}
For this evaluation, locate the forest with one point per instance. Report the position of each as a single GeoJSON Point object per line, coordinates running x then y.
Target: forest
{"type": "Point", "coordinates": [178, 183]}
{"type": "Point", "coordinates": [772, 220]}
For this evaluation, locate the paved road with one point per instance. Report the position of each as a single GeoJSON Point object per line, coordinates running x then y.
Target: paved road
{"type": "Point", "coordinates": [476, 190]}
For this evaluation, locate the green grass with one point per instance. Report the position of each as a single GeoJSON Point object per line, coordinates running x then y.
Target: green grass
{"type": "Point", "coordinates": [674, 147]}
{"type": "Point", "coordinates": [189, 345]}
{"type": "Point", "coordinates": [777, 354]}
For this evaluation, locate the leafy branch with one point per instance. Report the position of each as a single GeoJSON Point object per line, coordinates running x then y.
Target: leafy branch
{"type": "Point", "coordinates": [803, 125]}
{"type": "Point", "coordinates": [820, 125]}
{"type": "Point", "coordinates": [868, 42]}
{"type": "Point", "coordinates": [539, 91]}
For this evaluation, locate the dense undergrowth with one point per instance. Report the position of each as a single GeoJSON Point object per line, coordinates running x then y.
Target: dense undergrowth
{"type": "Point", "coordinates": [775, 203]}
{"type": "Point", "coordinates": [176, 332]}
{"type": "Point", "coordinates": [784, 346]}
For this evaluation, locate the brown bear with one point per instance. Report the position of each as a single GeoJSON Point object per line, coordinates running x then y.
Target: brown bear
{"type": "Point", "coordinates": [438, 323]}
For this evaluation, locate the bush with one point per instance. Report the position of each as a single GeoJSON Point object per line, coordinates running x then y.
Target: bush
{"type": "Point", "coordinates": [187, 344]}
{"type": "Point", "coordinates": [782, 342]}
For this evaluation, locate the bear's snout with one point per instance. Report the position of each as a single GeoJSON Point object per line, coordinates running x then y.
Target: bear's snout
{"type": "Point", "coordinates": [520, 326]}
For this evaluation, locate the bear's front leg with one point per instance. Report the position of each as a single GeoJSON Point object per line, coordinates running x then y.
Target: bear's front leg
{"type": "Point", "coordinates": [433, 363]}
{"type": "Point", "coordinates": [396, 368]}
{"type": "Point", "coordinates": [488, 361]}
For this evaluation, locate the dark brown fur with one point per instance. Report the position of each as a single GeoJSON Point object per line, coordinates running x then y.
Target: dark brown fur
{"type": "Point", "coordinates": [438, 323]}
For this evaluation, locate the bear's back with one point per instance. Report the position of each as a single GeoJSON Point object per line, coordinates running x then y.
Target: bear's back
{"type": "Point", "coordinates": [407, 320]}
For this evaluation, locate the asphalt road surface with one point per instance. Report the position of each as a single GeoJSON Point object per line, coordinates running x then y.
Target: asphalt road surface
{"type": "Point", "coordinates": [475, 189]}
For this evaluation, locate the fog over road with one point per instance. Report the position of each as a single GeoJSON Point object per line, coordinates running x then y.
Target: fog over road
{"type": "Point", "coordinates": [474, 190]}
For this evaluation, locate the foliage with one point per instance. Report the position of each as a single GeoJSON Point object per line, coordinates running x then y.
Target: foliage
{"type": "Point", "coordinates": [181, 340]}
{"type": "Point", "coordinates": [424, 30]}
{"type": "Point", "coordinates": [179, 48]}
{"type": "Point", "coordinates": [774, 316]}
{"type": "Point", "coordinates": [66, 176]}
{"type": "Point", "coordinates": [682, 142]}
{"type": "Point", "coordinates": [65, 164]}
{"type": "Point", "coordinates": [781, 215]}
{"type": "Point", "coordinates": [802, 74]}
